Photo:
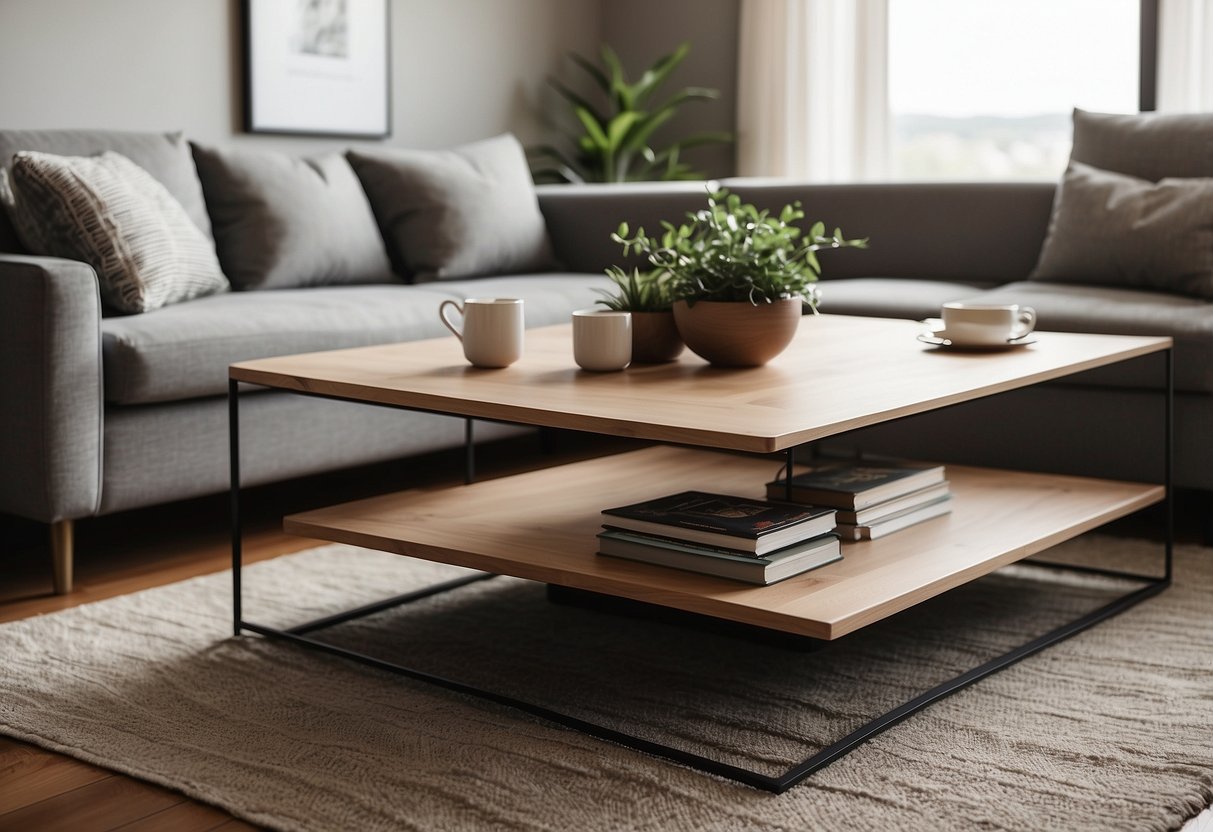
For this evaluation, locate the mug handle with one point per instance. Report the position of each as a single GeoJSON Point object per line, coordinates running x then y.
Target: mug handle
{"type": "Point", "coordinates": [1026, 322]}
{"type": "Point", "coordinates": [447, 321]}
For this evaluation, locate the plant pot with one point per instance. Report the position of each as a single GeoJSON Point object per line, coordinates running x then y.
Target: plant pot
{"type": "Point", "coordinates": [738, 334]}
{"type": "Point", "coordinates": [655, 338]}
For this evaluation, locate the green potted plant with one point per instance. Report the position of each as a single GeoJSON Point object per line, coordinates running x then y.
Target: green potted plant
{"type": "Point", "coordinates": [646, 295]}
{"type": "Point", "coordinates": [739, 277]}
{"type": "Point", "coordinates": [613, 128]}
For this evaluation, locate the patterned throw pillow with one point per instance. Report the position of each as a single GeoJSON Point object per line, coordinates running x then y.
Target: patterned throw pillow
{"type": "Point", "coordinates": [113, 215]}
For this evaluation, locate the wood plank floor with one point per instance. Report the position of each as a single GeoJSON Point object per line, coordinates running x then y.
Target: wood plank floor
{"type": "Point", "coordinates": [42, 790]}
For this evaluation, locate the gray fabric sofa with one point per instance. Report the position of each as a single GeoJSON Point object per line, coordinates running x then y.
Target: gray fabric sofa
{"type": "Point", "coordinates": [105, 413]}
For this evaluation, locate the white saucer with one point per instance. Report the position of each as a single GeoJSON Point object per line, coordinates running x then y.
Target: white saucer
{"type": "Point", "coordinates": [938, 337]}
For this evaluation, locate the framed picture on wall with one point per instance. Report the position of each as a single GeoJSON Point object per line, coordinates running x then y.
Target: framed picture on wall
{"type": "Point", "coordinates": [317, 67]}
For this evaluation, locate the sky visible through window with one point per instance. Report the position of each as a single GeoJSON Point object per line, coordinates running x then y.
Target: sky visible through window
{"type": "Point", "coordinates": [983, 89]}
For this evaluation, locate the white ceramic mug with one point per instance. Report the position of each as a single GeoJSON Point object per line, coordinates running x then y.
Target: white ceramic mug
{"type": "Point", "coordinates": [986, 323]}
{"type": "Point", "coordinates": [602, 339]}
{"type": "Point", "coordinates": [492, 329]}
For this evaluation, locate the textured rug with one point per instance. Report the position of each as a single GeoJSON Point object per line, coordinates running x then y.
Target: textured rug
{"type": "Point", "coordinates": [1109, 730]}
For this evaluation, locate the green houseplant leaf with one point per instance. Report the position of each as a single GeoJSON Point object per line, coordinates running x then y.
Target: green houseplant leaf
{"type": "Point", "coordinates": [611, 132]}
{"type": "Point", "coordinates": [732, 251]}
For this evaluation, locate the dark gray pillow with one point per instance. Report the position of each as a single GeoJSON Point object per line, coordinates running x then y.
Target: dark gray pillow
{"type": "Point", "coordinates": [465, 212]}
{"type": "Point", "coordinates": [1117, 230]}
{"type": "Point", "coordinates": [284, 222]}
{"type": "Point", "coordinates": [166, 156]}
{"type": "Point", "coordinates": [1146, 145]}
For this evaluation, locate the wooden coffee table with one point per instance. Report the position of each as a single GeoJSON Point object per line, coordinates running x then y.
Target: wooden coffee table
{"type": "Point", "coordinates": [841, 373]}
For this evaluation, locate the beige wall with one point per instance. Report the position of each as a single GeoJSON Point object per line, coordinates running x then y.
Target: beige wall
{"type": "Point", "coordinates": [461, 69]}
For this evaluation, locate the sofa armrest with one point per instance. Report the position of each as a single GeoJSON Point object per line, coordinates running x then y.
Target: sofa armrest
{"type": "Point", "coordinates": [581, 218]}
{"type": "Point", "coordinates": [50, 388]}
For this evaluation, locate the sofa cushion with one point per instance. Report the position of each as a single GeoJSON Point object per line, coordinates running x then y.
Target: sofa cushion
{"type": "Point", "coordinates": [1113, 229]}
{"type": "Point", "coordinates": [466, 212]}
{"type": "Point", "coordinates": [1149, 146]}
{"type": "Point", "coordinates": [893, 297]}
{"type": "Point", "coordinates": [183, 351]}
{"type": "Point", "coordinates": [110, 213]}
{"type": "Point", "coordinates": [282, 221]}
{"type": "Point", "coordinates": [166, 156]}
{"type": "Point", "coordinates": [1071, 308]}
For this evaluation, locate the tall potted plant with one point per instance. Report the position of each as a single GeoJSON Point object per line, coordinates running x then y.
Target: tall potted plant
{"type": "Point", "coordinates": [646, 294]}
{"type": "Point", "coordinates": [740, 277]}
{"type": "Point", "coordinates": [613, 127]}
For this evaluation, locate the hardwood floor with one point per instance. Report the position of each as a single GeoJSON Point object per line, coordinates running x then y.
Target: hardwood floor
{"type": "Point", "coordinates": [42, 790]}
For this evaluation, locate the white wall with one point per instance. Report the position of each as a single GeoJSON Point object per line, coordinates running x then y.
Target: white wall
{"type": "Point", "coordinates": [462, 69]}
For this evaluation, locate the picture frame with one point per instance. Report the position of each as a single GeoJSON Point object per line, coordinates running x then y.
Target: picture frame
{"type": "Point", "coordinates": [317, 67]}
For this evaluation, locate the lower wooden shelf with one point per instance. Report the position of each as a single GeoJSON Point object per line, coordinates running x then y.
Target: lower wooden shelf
{"type": "Point", "coordinates": [542, 526]}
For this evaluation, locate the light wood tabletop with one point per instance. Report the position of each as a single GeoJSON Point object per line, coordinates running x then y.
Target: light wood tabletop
{"type": "Point", "coordinates": [840, 373]}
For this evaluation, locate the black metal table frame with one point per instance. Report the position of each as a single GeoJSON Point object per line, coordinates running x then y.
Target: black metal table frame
{"type": "Point", "coordinates": [1152, 585]}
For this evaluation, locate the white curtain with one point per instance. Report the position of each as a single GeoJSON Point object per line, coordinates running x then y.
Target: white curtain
{"type": "Point", "coordinates": [812, 90]}
{"type": "Point", "coordinates": [1185, 55]}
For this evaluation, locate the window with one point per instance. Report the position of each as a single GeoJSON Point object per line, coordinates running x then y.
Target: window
{"type": "Point", "coordinates": [984, 90]}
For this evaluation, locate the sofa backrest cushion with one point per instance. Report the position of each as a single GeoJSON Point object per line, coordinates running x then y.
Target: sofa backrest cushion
{"type": "Point", "coordinates": [988, 232]}
{"type": "Point", "coordinates": [284, 222]}
{"type": "Point", "coordinates": [1149, 146]}
{"type": "Point", "coordinates": [469, 211]}
{"type": "Point", "coordinates": [166, 156]}
{"type": "Point", "coordinates": [110, 213]}
{"type": "Point", "coordinates": [1112, 229]}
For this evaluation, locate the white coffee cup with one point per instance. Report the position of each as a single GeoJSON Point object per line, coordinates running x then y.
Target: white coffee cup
{"type": "Point", "coordinates": [602, 339]}
{"type": "Point", "coordinates": [492, 329]}
{"type": "Point", "coordinates": [986, 323]}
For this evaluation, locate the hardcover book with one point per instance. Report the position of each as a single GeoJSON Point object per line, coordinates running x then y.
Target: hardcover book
{"type": "Point", "coordinates": [754, 526]}
{"type": "Point", "coordinates": [856, 485]}
{"type": "Point", "coordinates": [776, 566]}
{"type": "Point", "coordinates": [887, 508]}
{"type": "Point", "coordinates": [897, 522]}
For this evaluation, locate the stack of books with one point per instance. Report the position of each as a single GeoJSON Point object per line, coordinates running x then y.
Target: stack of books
{"type": "Point", "coordinates": [872, 499]}
{"type": "Point", "coordinates": [733, 537]}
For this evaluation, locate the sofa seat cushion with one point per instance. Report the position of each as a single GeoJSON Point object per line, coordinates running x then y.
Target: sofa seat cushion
{"type": "Point", "coordinates": [889, 297]}
{"type": "Point", "coordinates": [1115, 311]}
{"type": "Point", "coordinates": [183, 351]}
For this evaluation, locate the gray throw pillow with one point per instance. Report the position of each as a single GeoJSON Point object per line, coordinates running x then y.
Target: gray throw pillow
{"type": "Point", "coordinates": [282, 222]}
{"type": "Point", "coordinates": [1117, 230]}
{"type": "Point", "coordinates": [1149, 146]}
{"type": "Point", "coordinates": [166, 156]}
{"type": "Point", "coordinates": [112, 214]}
{"type": "Point", "coordinates": [465, 212]}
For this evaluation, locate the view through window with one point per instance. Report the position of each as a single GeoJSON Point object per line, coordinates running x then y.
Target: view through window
{"type": "Point", "coordinates": [984, 90]}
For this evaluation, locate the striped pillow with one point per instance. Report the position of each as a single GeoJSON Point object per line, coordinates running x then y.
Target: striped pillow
{"type": "Point", "coordinates": [113, 215]}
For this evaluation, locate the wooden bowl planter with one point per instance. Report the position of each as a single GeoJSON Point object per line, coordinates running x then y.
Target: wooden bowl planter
{"type": "Point", "coordinates": [738, 334]}
{"type": "Point", "coordinates": [655, 338]}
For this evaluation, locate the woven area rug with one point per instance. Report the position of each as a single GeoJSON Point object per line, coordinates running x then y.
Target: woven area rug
{"type": "Point", "coordinates": [1109, 730]}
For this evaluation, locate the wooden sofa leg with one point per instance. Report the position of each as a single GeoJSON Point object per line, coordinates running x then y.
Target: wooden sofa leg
{"type": "Point", "coordinates": [61, 555]}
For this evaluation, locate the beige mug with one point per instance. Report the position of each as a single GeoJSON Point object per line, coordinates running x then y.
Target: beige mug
{"type": "Point", "coordinates": [602, 339]}
{"type": "Point", "coordinates": [986, 323]}
{"type": "Point", "coordinates": [492, 329]}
